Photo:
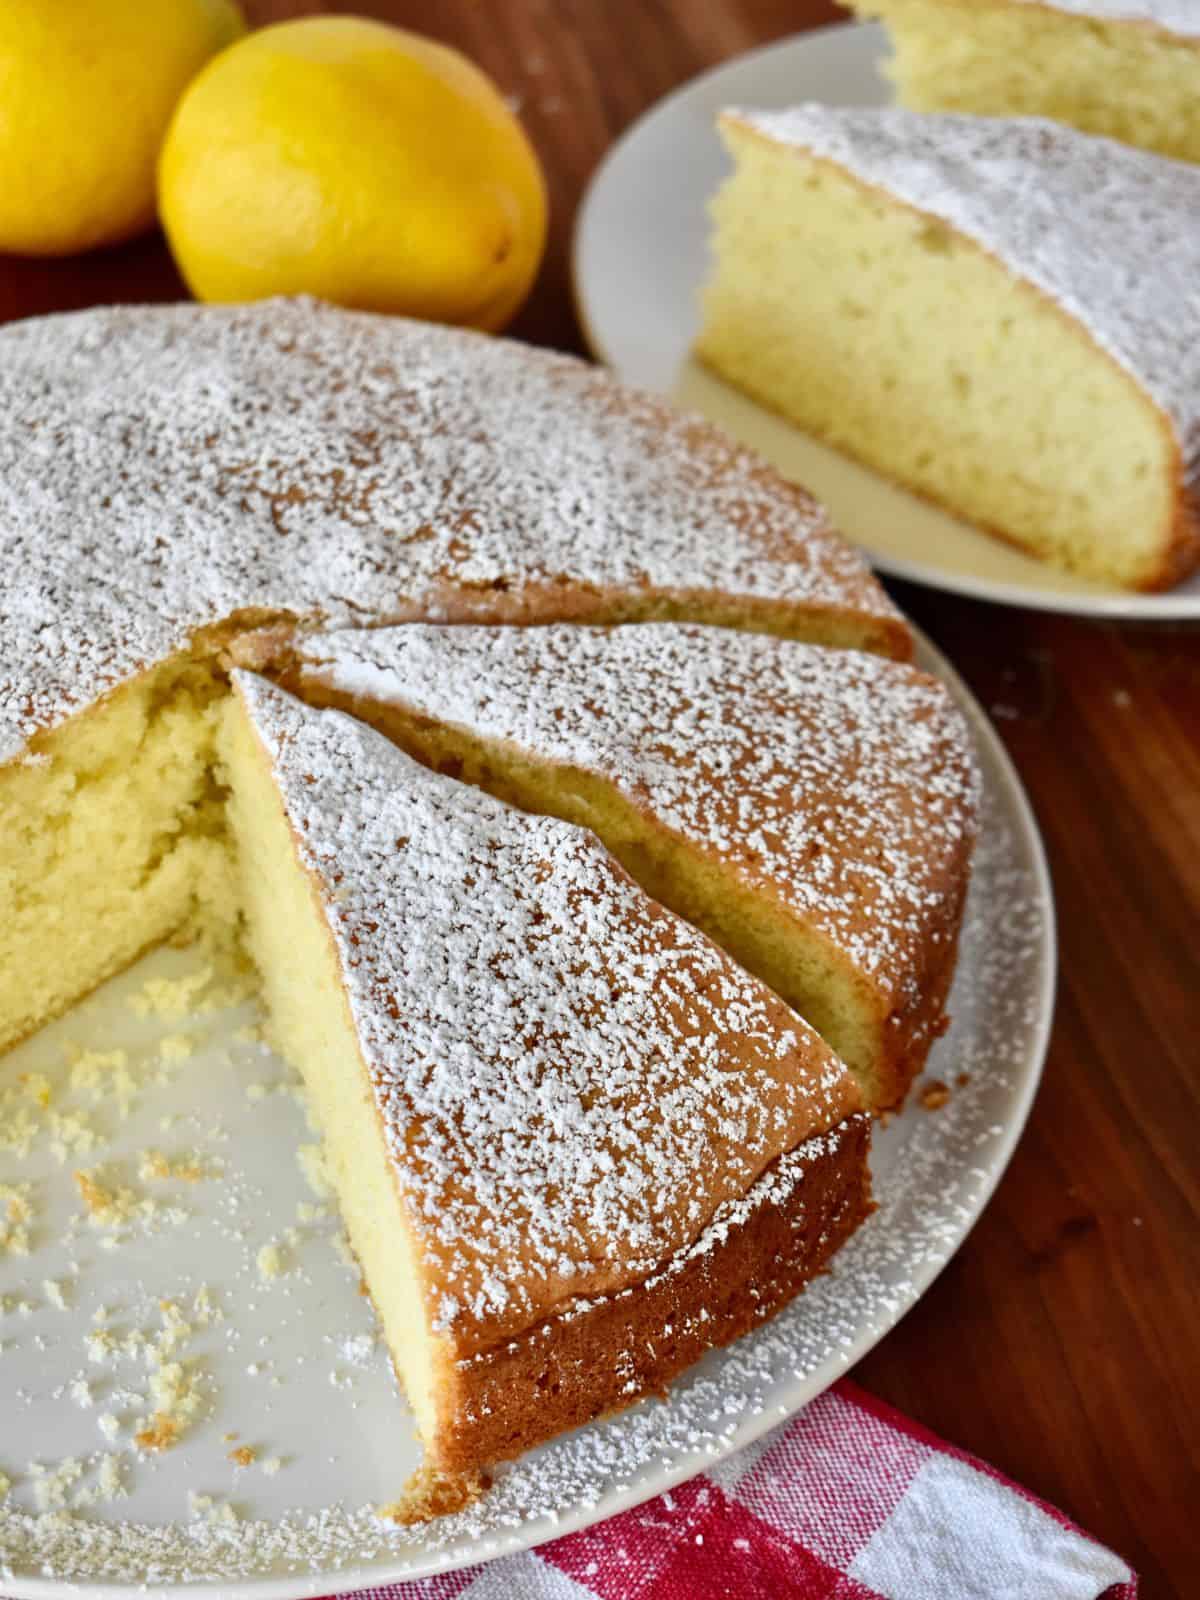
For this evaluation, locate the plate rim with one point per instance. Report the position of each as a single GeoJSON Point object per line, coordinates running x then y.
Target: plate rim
{"type": "Point", "coordinates": [790, 1396]}
{"type": "Point", "coordinates": [1099, 604]}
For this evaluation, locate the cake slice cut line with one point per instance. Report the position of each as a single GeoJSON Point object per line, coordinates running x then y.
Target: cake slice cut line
{"type": "Point", "coordinates": [579, 1096]}
{"type": "Point", "coordinates": [813, 811]}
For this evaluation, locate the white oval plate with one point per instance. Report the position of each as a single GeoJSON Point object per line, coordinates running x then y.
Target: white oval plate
{"type": "Point", "coordinates": [293, 1368]}
{"type": "Point", "coordinates": [641, 254]}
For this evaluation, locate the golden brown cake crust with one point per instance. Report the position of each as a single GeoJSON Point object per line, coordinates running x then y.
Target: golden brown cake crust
{"type": "Point", "coordinates": [910, 1032]}
{"type": "Point", "coordinates": [620, 1349]}
{"type": "Point", "coordinates": [1181, 554]}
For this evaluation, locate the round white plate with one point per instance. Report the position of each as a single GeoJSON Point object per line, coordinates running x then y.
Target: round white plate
{"type": "Point", "coordinates": [290, 1363]}
{"type": "Point", "coordinates": [641, 254]}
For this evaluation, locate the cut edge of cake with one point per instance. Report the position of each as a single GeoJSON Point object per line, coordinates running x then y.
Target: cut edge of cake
{"type": "Point", "coordinates": [1129, 72]}
{"type": "Point", "coordinates": [595, 1353]}
{"type": "Point", "coordinates": [883, 1036]}
{"type": "Point", "coordinates": [796, 331]}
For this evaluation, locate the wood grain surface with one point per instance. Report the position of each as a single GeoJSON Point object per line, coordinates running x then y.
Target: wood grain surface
{"type": "Point", "coordinates": [1063, 1342]}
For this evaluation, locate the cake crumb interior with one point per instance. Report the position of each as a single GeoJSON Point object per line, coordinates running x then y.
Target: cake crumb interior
{"type": "Point", "coordinates": [821, 279]}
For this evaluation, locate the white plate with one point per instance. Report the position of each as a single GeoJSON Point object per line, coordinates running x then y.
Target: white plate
{"type": "Point", "coordinates": [641, 254]}
{"type": "Point", "coordinates": [293, 1367]}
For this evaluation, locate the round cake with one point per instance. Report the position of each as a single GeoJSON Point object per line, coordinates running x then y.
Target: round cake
{"type": "Point", "coordinates": [577, 1135]}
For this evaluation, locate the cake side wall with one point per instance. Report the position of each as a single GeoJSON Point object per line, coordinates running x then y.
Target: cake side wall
{"type": "Point", "coordinates": [611, 1353]}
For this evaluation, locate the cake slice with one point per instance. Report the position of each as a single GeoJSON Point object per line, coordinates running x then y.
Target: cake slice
{"type": "Point", "coordinates": [573, 1144]}
{"type": "Point", "coordinates": [813, 810]}
{"type": "Point", "coordinates": [1126, 68]}
{"type": "Point", "coordinates": [1001, 315]}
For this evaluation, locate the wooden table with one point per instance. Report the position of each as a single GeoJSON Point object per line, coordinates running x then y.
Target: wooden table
{"type": "Point", "coordinates": [1063, 1342]}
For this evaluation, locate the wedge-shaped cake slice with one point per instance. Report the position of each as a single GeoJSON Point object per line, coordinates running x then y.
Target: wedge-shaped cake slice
{"type": "Point", "coordinates": [574, 1145]}
{"type": "Point", "coordinates": [1000, 314]}
{"type": "Point", "coordinates": [812, 809]}
{"type": "Point", "coordinates": [1126, 68]}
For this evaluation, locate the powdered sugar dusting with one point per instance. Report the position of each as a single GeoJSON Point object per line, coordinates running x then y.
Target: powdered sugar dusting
{"type": "Point", "coordinates": [1096, 225]}
{"type": "Point", "coordinates": [571, 1080]}
{"type": "Point", "coordinates": [837, 781]}
{"type": "Point", "coordinates": [933, 1173]}
{"type": "Point", "coordinates": [165, 468]}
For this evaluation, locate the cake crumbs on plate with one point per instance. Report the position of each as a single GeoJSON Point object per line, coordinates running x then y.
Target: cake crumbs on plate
{"type": "Point", "coordinates": [205, 1310]}
{"type": "Point", "coordinates": [205, 1508]}
{"type": "Point", "coordinates": [311, 1158]}
{"type": "Point", "coordinates": [154, 1166]}
{"type": "Point", "coordinates": [175, 1047]}
{"type": "Point", "coordinates": [36, 1085]}
{"type": "Point", "coordinates": [55, 1294]}
{"type": "Point", "coordinates": [170, 998]}
{"type": "Point", "coordinates": [160, 1433]}
{"type": "Point", "coordinates": [112, 1206]}
{"type": "Point", "coordinates": [16, 1213]}
{"type": "Point", "coordinates": [109, 1484]}
{"type": "Point", "coordinates": [429, 1493]}
{"type": "Point", "coordinates": [107, 1203]}
{"type": "Point", "coordinates": [104, 1075]}
{"type": "Point", "coordinates": [934, 1096]}
{"type": "Point", "coordinates": [272, 1262]}
{"type": "Point", "coordinates": [243, 1456]}
{"type": "Point", "coordinates": [72, 1133]}
{"type": "Point", "coordinates": [51, 1484]}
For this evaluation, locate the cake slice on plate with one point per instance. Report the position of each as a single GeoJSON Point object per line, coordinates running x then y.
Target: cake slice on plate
{"type": "Point", "coordinates": [574, 1145]}
{"type": "Point", "coordinates": [1126, 68]}
{"type": "Point", "coordinates": [1001, 315]}
{"type": "Point", "coordinates": [813, 810]}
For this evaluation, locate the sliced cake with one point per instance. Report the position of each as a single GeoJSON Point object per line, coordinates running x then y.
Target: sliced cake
{"type": "Point", "coordinates": [574, 1145]}
{"type": "Point", "coordinates": [813, 810]}
{"type": "Point", "coordinates": [1001, 315]}
{"type": "Point", "coordinates": [171, 475]}
{"type": "Point", "coordinates": [1126, 68]}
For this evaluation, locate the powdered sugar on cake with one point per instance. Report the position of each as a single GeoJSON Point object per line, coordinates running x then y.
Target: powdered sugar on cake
{"type": "Point", "coordinates": [571, 1079]}
{"type": "Point", "coordinates": [840, 782]}
{"type": "Point", "coordinates": [163, 469]}
{"type": "Point", "coordinates": [1103, 229]}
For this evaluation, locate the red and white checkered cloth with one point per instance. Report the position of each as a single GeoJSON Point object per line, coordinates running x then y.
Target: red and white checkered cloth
{"type": "Point", "coordinates": [848, 1501]}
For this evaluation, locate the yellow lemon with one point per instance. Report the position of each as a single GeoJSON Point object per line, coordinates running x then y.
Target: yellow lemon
{"type": "Point", "coordinates": [87, 88]}
{"type": "Point", "coordinates": [351, 160]}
